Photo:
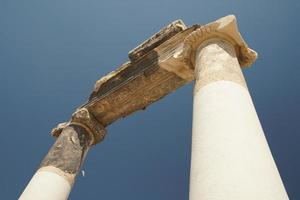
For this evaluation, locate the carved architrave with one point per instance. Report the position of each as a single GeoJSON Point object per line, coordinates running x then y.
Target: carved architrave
{"type": "Point", "coordinates": [142, 81]}
{"type": "Point", "coordinates": [159, 66]}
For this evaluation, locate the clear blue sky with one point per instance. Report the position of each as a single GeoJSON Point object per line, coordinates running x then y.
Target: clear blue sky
{"type": "Point", "coordinates": [52, 52]}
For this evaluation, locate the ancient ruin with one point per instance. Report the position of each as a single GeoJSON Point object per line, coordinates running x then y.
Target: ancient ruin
{"type": "Point", "coordinates": [230, 155]}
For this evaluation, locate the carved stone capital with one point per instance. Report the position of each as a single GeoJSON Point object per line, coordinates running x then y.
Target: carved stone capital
{"type": "Point", "coordinates": [224, 28]}
{"type": "Point", "coordinates": [85, 119]}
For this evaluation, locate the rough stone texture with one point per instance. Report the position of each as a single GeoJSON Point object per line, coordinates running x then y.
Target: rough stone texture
{"type": "Point", "coordinates": [159, 66]}
{"type": "Point", "coordinates": [82, 117]}
{"type": "Point", "coordinates": [68, 152]}
{"type": "Point", "coordinates": [135, 85]}
{"type": "Point", "coordinates": [216, 60]}
{"type": "Point", "coordinates": [223, 28]}
{"type": "Point", "coordinates": [157, 39]}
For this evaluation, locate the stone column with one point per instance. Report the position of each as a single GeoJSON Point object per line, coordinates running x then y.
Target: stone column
{"type": "Point", "coordinates": [56, 175]}
{"type": "Point", "coordinates": [230, 159]}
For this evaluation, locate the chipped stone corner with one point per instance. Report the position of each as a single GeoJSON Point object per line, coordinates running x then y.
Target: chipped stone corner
{"type": "Point", "coordinates": [58, 129]}
{"type": "Point", "coordinates": [99, 83]}
{"type": "Point", "coordinates": [157, 39]}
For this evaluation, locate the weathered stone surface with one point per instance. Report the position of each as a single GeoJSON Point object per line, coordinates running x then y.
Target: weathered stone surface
{"type": "Point", "coordinates": [157, 39]}
{"type": "Point", "coordinates": [159, 66]}
{"type": "Point", "coordinates": [217, 61]}
{"type": "Point", "coordinates": [224, 28]}
{"type": "Point", "coordinates": [68, 152]}
{"type": "Point", "coordinates": [82, 117]}
{"type": "Point", "coordinates": [135, 85]}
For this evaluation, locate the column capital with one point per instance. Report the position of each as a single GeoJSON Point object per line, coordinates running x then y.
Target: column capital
{"type": "Point", "coordinates": [82, 117]}
{"type": "Point", "coordinates": [224, 28]}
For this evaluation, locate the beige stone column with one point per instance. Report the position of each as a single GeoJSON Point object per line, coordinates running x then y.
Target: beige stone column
{"type": "Point", "coordinates": [230, 159]}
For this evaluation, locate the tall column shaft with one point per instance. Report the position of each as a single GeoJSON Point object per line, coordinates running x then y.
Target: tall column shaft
{"type": "Point", "coordinates": [231, 159]}
{"type": "Point", "coordinates": [56, 175]}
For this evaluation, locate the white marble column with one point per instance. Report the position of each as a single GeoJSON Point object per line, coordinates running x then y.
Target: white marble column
{"type": "Point", "coordinates": [230, 159]}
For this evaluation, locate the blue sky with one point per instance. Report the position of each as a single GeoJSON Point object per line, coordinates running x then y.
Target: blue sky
{"type": "Point", "coordinates": [52, 52]}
